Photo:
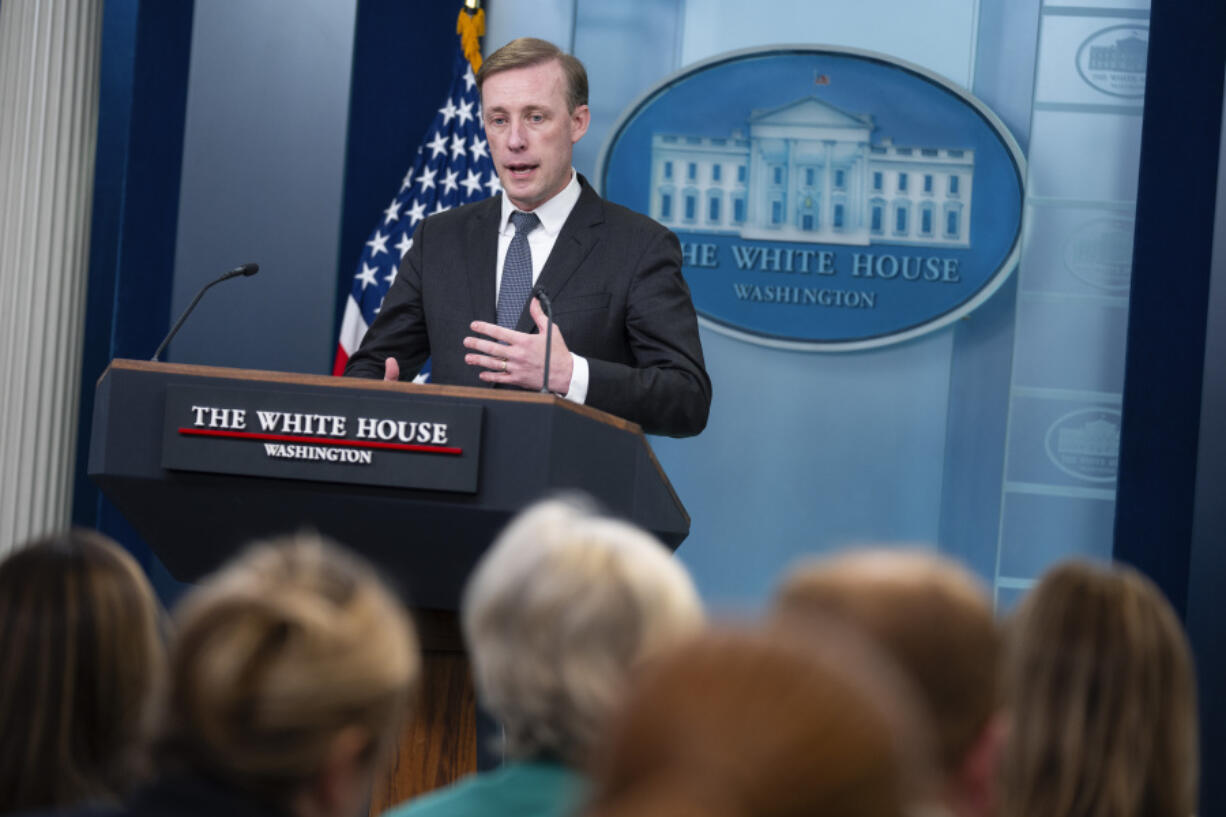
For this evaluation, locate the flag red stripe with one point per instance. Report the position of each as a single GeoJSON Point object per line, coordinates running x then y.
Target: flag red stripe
{"type": "Point", "coordinates": [342, 359]}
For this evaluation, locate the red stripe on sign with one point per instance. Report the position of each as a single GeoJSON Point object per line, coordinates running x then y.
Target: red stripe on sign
{"type": "Point", "coordinates": [290, 438]}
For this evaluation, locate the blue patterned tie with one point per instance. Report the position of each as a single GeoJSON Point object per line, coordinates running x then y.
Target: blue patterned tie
{"type": "Point", "coordinates": [516, 271]}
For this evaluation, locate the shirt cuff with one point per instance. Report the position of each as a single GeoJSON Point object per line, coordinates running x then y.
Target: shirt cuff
{"type": "Point", "coordinates": [578, 380]}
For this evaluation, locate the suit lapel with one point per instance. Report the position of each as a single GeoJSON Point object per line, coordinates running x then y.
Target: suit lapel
{"type": "Point", "coordinates": [576, 240]}
{"type": "Point", "coordinates": [481, 258]}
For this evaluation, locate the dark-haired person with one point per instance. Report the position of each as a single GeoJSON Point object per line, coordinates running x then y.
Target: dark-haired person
{"type": "Point", "coordinates": [291, 672]}
{"type": "Point", "coordinates": [625, 336]}
{"type": "Point", "coordinates": [1102, 697]}
{"type": "Point", "coordinates": [82, 661]}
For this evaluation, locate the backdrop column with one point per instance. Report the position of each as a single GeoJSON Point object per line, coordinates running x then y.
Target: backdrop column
{"type": "Point", "coordinates": [49, 56]}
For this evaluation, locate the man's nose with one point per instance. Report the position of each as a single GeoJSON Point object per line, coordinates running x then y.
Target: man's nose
{"type": "Point", "coordinates": [516, 136]}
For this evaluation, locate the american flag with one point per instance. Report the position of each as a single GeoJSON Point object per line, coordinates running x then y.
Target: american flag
{"type": "Point", "coordinates": [452, 167]}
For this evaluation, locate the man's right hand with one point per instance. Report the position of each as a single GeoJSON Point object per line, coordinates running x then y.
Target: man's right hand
{"type": "Point", "coordinates": [391, 369]}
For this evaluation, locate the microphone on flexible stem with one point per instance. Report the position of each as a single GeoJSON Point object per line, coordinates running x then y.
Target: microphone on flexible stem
{"type": "Point", "coordinates": [541, 295]}
{"type": "Point", "coordinates": [245, 269]}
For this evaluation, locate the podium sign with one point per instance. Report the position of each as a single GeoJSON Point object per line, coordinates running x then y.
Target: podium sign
{"type": "Point", "coordinates": [328, 437]}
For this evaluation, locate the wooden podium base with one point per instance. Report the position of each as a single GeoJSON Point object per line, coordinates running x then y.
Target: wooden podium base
{"type": "Point", "coordinates": [439, 744]}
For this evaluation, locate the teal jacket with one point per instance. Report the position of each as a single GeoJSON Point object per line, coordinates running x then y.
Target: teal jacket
{"type": "Point", "coordinates": [537, 789]}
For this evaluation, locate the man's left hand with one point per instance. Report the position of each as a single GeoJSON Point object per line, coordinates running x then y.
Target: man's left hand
{"type": "Point", "coordinates": [518, 358]}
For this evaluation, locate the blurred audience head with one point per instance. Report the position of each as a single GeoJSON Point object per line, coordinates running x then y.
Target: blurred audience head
{"type": "Point", "coordinates": [557, 613]}
{"type": "Point", "coordinates": [290, 676]}
{"type": "Point", "coordinates": [83, 662]}
{"type": "Point", "coordinates": [935, 620]}
{"type": "Point", "coordinates": [1102, 697]}
{"type": "Point", "coordinates": [741, 724]}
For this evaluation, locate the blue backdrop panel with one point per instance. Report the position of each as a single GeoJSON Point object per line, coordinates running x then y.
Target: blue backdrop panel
{"type": "Point", "coordinates": [145, 47]}
{"type": "Point", "coordinates": [983, 342]}
{"type": "Point", "coordinates": [806, 453]}
{"type": "Point", "coordinates": [401, 71]}
{"type": "Point", "coordinates": [1041, 529]}
{"type": "Point", "coordinates": [263, 166]}
{"type": "Point", "coordinates": [810, 452]}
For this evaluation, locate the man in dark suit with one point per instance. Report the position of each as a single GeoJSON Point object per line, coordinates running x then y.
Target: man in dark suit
{"type": "Point", "coordinates": [625, 337]}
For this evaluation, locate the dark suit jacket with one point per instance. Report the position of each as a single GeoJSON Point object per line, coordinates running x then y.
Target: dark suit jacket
{"type": "Point", "coordinates": [619, 299]}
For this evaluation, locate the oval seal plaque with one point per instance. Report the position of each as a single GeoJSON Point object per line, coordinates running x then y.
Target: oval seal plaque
{"type": "Point", "coordinates": [825, 198]}
{"type": "Point", "coordinates": [1100, 254]}
{"type": "Point", "coordinates": [1086, 444]}
{"type": "Point", "coordinates": [1113, 60]}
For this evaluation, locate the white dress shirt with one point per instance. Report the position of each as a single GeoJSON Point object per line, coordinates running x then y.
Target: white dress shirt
{"type": "Point", "coordinates": [553, 215]}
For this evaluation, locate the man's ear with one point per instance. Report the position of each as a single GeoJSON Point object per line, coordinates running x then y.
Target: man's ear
{"type": "Point", "coordinates": [580, 118]}
{"type": "Point", "coordinates": [974, 788]}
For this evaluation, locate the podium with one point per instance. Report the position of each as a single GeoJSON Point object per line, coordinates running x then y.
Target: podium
{"type": "Point", "coordinates": [417, 478]}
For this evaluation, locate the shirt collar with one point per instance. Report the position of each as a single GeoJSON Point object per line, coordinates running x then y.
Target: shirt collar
{"type": "Point", "coordinates": [553, 213]}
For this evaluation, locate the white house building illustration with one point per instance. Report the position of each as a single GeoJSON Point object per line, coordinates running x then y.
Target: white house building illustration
{"type": "Point", "coordinates": [1125, 54]}
{"type": "Point", "coordinates": [808, 172]}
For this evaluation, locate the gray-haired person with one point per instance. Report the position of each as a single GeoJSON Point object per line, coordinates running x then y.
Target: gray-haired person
{"type": "Point", "coordinates": [556, 616]}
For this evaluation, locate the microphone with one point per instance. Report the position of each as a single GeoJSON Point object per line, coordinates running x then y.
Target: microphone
{"type": "Point", "coordinates": [543, 297]}
{"type": "Point", "coordinates": [245, 270]}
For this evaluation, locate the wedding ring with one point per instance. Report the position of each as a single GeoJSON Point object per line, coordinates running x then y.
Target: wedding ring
{"type": "Point", "coordinates": [504, 364]}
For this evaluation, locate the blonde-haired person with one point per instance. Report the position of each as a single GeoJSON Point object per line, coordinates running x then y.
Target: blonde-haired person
{"type": "Point", "coordinates": [935, 619]}
{"type": "Point", "coordinates": [557, 614]}
{"type": "Point", "coordinates": [1100, 683]}
{"type": "Point", "coordinates": [290, 675]}
{"type": "Point", "coordinates": [744, 724]}
{"type": "Point", "coordinates": [83, 661]}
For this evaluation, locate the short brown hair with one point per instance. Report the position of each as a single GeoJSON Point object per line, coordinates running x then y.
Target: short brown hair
{"type": "Point", "coordinates": [1099, 680]}
{"type": "Point", "coordinates": [83, 661]}
{"type": "Point", "coordinates": [293, 642]}
{"type": "Point", "coordinates": [744, 724]}
{"type": "Point", "coordinates": [526, 52]}
{"type": "Point", "coordinates": [931, 615]}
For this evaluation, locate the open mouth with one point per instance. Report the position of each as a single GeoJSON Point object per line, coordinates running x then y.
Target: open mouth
{"type": "Point", "coordinates": [520, 170]}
